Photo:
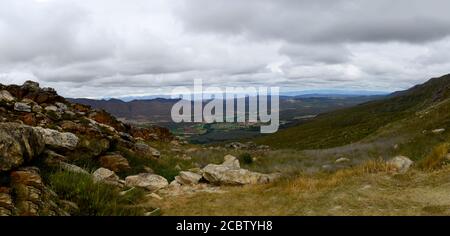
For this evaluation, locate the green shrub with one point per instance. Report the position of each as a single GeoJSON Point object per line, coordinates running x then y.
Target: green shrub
{"type": "Point", "coordinates": [95, 199]}
{"type": "Point", "coordinates": [166, 167]}
{"type": "Point", "coordinates": [246, 158]}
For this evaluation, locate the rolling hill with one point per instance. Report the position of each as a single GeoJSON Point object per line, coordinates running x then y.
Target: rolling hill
{"type": "Point", "coordinates": [411, 114]}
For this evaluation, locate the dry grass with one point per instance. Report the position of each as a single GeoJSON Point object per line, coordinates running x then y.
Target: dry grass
{"type": "Point", "coordinates": [436, 159]}
{"type": "Point", "coordinates": [369, 189]}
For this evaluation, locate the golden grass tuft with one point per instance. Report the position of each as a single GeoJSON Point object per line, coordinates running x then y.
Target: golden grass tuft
{"type": "Point", "coordinates": [312, 183]}
{"type": "Point", "coordinates": [436, 159]}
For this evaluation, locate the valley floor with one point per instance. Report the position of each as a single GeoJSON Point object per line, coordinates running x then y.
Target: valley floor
{"type": "Point", "coordinates": [366, 190]}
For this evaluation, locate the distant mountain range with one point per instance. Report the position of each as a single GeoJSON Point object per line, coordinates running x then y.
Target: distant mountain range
{"type": "Point", "coordinates": [158, 110]}
{"type": "Point", "coordinates": [302, 93]}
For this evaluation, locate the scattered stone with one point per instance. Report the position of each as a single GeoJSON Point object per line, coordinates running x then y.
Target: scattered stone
{"type": "Point", "coordinates": [115, 162]}
{"type": "Point", "coordinates": [438, 131]}
{"type": "Point", "coordinates": [148, 170]}
{"type": "Point", "coordinates": [51, 108]}
{"type": "Point", "coordinates": [156, 212]}
{"type": "Point", "coordinates": [145, 150]}
{"type": "Point", "coordinates": [401, 164]}
{"type": "Point", "coordinates": [185, 157]}
{"type": "Point", "coordinates": [37, 109]}
{"type": "Point", "coordinates": [174, 184]}
{"type": "Point", "coordinates": [147, 181]}
{"type": "Point", "coordinates": [191, 150]}
{"type": "Point", "coordinates": [263, 147]}
{"type": "Point", "coordinates": [236, 145]}
{"type": "Point", "coordinates": [188, 178]}
{"type": "Point", "coordinates": [342, 160]}
{"type": "Point", "coordinates": [154, 195]}
{"type": "Point", "coordinates": [365, 187]}
{"type": "Point", "coordinates": [175, 143]}
{"type": "Point", "coordinates": [22, 107]}
{"type": "Point", "coordinates": [106, 176]}
{"type": "Point", "coordinates": [61, 106]}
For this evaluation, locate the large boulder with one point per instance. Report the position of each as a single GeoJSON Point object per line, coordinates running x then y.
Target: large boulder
{"type": "Point", "coordinates": [147, 181]}
{"type": "Point", "coordinates": [57, 139]}
{"type": "Point", "coordinates": [188, 178]}
{"type": "Point", "coordinates": [115, 162]}
{"type": "Point", "coordinates": [229, 173]}
{"type": "Point", "coordinates": [18, 144]}
{"type": "Point", "coordinates": [401, 164]}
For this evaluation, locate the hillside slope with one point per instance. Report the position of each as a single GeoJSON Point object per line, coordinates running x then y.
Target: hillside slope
{"type": "Point", "coordinates": [356, 123]}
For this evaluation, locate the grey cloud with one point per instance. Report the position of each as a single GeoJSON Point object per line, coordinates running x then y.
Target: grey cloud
{"type": "Point", "coordinates": [326, 21]}
{"type": "Point", "coordinates": [114, 48]}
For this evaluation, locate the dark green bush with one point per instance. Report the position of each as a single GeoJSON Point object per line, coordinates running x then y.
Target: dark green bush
{"type": "Point", "coordinates": [246, 158]}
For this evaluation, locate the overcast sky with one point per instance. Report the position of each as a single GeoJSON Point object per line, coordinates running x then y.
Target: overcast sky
{"type": "Point", "coordinates": [112, 48]}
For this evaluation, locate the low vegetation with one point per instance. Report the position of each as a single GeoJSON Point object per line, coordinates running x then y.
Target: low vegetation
{"type": "Point", "coordinates": [369, 189]}
{"type": "Point", "coordinates": [95, 199]}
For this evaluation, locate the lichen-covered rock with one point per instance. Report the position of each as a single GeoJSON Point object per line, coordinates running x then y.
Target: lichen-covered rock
{"type": "Point", "coordinates": [188, 178]}
{"type": "Point", "coordinates": [106, 176]}
{"type": "Point", "coordinates": [18, 144]}
{"type": "Point", "coordinates": [6, 96]}
{"type": "Point", "coordinates": [22, 107]}
{"type": "Point", "coordinates": [228, 173]}
{"type": "Point", "coordinates": [147, 181]}
{"type": "Point", "coordinates": [56, 139]}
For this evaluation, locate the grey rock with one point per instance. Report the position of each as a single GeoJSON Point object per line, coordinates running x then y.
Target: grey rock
{"type": "Point", "coordinates": [22, 107]}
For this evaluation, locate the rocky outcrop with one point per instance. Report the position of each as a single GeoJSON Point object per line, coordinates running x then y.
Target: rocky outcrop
{"type": "Point", "coordinates": [18, 144]}
{"type": "Point", "coordinates": [147, 181]}
{"type": "Point", "coordinates": [28, 196]}
{"type": "Point", "coordinates": [39, 127]}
